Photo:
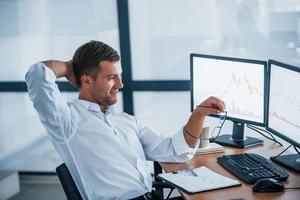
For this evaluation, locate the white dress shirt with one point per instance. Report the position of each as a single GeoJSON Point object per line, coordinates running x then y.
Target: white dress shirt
{"type": "Point", "coordinates": [106, 153]}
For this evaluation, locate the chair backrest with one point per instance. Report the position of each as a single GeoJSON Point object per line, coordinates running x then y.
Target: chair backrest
{"type": "Point", "coordinates": [72, 191]}
{"type": "Point", "coordinates": [68, 183]}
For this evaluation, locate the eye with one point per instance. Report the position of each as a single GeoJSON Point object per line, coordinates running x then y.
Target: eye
{"type": "Point", "coordinates": [111, 77]}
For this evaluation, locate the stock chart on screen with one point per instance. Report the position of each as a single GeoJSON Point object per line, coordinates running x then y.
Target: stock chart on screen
{"type": "Point", "coordinates": [284, 102]}
{"type": "Point", "coordinates": [239, 84]}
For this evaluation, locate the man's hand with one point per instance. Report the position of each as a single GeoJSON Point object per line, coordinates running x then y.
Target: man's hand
{"type": "Point", "coordinates": [212, 105]}
{"type": "Point", "coordinates": [62, 69]}
{"type": "Point", "coordinates": [192, 129]}
{"type": "Point", "coordinates": [70, 74]}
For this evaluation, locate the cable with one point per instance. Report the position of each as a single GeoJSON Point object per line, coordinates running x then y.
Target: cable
{"type": "Point", "coordinates": [273, 157]}
{"type": "Point", "coordinates": [254, 129]}
{"type": "Point", "coordinates": [258, 130]}
{"type": "Point", "coordinates": [296, 149]}
{"type": "Point", "coordinates": [265, 132]}
{"type": "Point", "coordinates": [272, 139]}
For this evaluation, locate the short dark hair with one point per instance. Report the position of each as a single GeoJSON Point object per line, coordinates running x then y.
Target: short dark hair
{"type": "Point", "coordinates": [87, 57]}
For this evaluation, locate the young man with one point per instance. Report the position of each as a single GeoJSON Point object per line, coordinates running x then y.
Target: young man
{"type": "Point", "coordinates": [106, 152]}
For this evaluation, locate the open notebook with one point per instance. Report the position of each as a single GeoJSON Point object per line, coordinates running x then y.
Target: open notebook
{"type": "Point", "coordinates": [198, 180]}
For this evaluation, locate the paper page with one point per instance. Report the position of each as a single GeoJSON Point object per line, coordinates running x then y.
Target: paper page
{"type": "Point", "coordinates": [206, 179]}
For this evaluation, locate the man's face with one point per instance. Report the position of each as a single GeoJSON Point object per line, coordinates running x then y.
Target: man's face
{"type": "Point", "coordinates": [108, 81]}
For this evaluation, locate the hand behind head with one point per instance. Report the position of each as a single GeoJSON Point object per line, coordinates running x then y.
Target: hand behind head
{"type": "Point", "coordinates": [71, 76]}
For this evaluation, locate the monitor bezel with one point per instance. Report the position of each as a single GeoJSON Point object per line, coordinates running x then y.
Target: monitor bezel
{"type": "Point", "coordinates": [234, 59]}
{"type": "Point", "coordinates": [285, 66]}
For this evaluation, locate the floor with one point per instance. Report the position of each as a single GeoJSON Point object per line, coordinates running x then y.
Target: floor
{"type": "Point", "coordinates": [40, 191]}
{"type": "Point", "coordinates": [34, 187]}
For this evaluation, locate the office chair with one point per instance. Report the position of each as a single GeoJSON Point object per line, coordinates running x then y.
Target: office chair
{"type": "Point", "coordinates": [68, 183]}
{"type": "Point", "coordinates": [72, 192]}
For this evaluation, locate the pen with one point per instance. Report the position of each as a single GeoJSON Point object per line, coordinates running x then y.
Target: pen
{"type": "Point", "coordinates": [192, 171]}
{"type": "Point", "coordinates": [207, 107]}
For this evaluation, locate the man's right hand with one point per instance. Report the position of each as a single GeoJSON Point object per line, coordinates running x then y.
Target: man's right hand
{"type": "Point", "coordinates": [70, 75]}
{"type": "Point", "coordinates": [62, 69]}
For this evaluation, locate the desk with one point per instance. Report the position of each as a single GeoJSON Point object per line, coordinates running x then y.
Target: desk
{"type": "Point", "coordinates": [245, 190]}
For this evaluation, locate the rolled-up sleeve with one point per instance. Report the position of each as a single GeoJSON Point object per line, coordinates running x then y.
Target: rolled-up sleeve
{"type": "Point", "coordinates": [165, 149]}
{"type": "Point", "coordinates": [51, 106]}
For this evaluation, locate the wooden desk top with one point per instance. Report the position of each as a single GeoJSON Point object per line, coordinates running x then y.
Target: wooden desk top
{"type": "Point", "coordinates": [245, 190]}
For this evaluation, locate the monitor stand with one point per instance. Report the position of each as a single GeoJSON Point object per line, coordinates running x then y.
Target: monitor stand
{"type": "Point", "coordinates": [237, 138]}
{"type": "Point", "coordinates": [290, 161]}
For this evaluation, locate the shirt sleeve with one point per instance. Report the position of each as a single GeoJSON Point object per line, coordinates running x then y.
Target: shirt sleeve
{"type": "Point", "coordinates": [51, 106]}
{"type": "Point", "coordinates": [162, 148]}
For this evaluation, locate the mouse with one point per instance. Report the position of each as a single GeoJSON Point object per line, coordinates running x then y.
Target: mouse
{"type": "Point", "coordinates": [268, 185]}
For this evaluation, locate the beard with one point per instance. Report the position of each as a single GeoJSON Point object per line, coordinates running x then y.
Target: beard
{"type": "Point", "coordinates": [104, 98]}
{"type": "Point", "coordinates": [108, 101]}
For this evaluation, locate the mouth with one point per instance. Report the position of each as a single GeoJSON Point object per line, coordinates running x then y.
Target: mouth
{"type": "Point", "coordinates": [115, 92]}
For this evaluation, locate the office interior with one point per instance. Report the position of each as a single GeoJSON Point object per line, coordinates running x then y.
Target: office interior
{"type": "Point", "coordinates": [155, 39]}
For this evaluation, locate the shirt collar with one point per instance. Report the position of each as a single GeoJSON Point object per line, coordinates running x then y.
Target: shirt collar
{"type": "Point", "coordinates": [91, 106]}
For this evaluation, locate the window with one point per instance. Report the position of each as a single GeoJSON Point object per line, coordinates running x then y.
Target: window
{"type": "Point", "coordinates": [32, 31]}
{"type": "Point", "coordinates": [164, 33]}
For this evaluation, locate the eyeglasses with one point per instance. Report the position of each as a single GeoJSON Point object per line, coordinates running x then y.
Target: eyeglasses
{"type": "Point", "coordinates": [221, 122]}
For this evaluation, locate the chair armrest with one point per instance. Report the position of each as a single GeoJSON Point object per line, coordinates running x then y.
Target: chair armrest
{"type": "Point", "coordinates": [161, 184]}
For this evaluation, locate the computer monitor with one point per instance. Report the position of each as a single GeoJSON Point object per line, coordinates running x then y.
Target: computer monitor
{"type": "Point", "coordinates": [284, 108]}
{"type": "Point", "coordinates": [240, 83]}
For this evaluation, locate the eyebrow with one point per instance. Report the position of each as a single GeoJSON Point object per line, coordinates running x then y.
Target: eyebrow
{"type": "Point", "coordinates": [111, 75]}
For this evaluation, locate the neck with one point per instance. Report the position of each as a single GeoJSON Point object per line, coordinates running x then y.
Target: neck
{"type": "Point", "coordinates": [88, 97]}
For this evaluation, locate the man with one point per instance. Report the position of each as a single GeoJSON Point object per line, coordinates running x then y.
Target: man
{"type": "Point", "coordinates": [105, 151]}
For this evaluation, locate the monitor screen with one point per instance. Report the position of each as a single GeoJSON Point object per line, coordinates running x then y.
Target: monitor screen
{"type": "Point", "coordinates": [284, 102]}
{"type": "Point", "coordinates": [240, 83]}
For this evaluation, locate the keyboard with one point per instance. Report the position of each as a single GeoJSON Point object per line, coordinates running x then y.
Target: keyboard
{"type": "Point", "coordinates": [250, 167]}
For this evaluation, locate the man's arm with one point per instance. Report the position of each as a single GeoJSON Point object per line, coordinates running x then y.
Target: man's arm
{"type": "Point", "coordinates": [62, 69]}
{"type": "Point", "coordinates": [51, 106]}
{"type": "Point", "coordinates": [180, 147]}
{"type": "Point", "coordinates": [194, 125]}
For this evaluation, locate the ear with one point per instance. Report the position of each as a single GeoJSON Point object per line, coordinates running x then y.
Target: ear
{"type": "Point", "coordinates": [86, 81]}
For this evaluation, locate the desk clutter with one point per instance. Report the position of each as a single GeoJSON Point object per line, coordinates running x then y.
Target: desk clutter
{"type": "Point", "coordinates": [198, 180]}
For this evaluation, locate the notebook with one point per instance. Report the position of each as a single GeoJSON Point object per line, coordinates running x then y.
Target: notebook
{"type": "Point", "coordinates": [198, 180]}
{"type": "Point", "coordinates": [211, 148]}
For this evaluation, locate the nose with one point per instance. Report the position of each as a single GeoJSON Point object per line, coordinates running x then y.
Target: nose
{"type": "Point", "coordinates": [119, 83]}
